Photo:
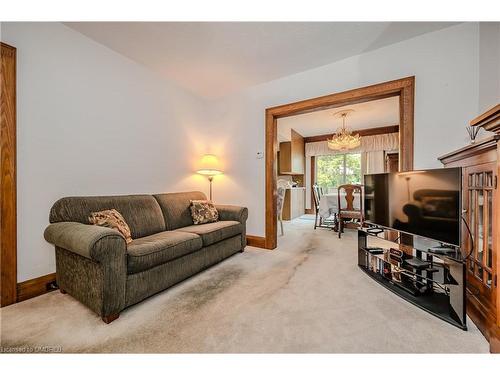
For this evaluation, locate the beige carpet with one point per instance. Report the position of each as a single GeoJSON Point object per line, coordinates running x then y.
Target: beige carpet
{"type": "Point", "coordinates": [306, 296]}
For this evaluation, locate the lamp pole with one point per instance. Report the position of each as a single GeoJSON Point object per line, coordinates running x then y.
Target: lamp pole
{"type": "Point", "coordinates": [210, 179]}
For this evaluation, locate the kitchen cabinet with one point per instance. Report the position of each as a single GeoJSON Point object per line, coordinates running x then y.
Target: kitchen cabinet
{"type": "Point", "coordinates": [292, 155]}
{"type": "Point", "coordinates": [294, 204]}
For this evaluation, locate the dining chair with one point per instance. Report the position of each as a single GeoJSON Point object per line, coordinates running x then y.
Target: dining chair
{"type": "Point", "coordinates": [282, 184]}
{"type": "Point", "coordinates": [348, 211]}
{"type": "Point", "coordinates": [318, 220]}
{"type": "Point", "coordinates": [316, 197]}
{"type": "Point", "coordinates": [281, 200]}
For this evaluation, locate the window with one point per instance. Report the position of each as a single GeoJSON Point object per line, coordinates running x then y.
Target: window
{"type": "Point", "coordinates": [339, 169]}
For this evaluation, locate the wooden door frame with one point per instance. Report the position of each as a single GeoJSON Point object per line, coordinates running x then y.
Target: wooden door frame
{"type": "Point", "coordinates": [8, 215]}
{"type": "Point", "coordinates": [404, 88]}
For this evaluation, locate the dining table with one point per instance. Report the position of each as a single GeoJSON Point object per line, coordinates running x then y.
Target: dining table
{"type": "Point", "coordinates": [328, 204]}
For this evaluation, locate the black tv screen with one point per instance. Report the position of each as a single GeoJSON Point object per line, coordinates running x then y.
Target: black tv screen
{"type": "Point", "coordinates": [426, 203]}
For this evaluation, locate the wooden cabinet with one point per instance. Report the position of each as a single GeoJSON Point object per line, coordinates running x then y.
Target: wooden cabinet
{"type": "Point", "coordinates": [285, 158]}
{"type": "Point", "coordinates": [479, 184]}
{"type": "Point", "coordinates": [292, 155]}
{"type": "Point", "coordinates": [480, 163]}
{"type": "Point", "coordinates": [294, 204]}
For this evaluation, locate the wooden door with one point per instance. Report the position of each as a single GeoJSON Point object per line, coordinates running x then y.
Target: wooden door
{"type": "Point", "coordinates": [8, 251]}
{"type": "Point", "coordinates": [479, 184]}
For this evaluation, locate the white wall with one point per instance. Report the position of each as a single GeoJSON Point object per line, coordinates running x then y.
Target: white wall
{"type": "Point", "coordinates": [444, 62]}
{"type": "Point", "coordinates": [89, 122]}
{"type": "Point", "coordinates": [489, 65]}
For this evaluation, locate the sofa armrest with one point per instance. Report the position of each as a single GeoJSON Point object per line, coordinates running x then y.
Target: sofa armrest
{"type": "Point", "coordinates": [91, 265]}
{"type": "Point", "coordinates": [236, 213]}
{"type": "Point", "coordinates": [90, 241]}
{"type": "Point", "coordinates": [229, 212]}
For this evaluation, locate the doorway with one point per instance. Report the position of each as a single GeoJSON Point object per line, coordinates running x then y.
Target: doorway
{"type": "Point", "coordinates": [403, 88]}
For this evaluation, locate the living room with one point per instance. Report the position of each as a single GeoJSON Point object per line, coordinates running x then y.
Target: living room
{"type": "Point", "coordinates": [132, 117]}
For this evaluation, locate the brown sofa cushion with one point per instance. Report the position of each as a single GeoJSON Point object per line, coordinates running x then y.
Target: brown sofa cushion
{"type": "Point", "coordinates": [147, 252]}
{"type": "Point", "coordinates": [111, 219]}
{"type": "Point", "coordinates": [176, 208]}
{"type": "Point", "coordinates": [141, 212]}
{"type": "Point", "coordinates": [214, 232]}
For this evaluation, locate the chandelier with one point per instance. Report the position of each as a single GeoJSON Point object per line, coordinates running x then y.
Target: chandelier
{"type": "Point", "coordinates": [343, 139]}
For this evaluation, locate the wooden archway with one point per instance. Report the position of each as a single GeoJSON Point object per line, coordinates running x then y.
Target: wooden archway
{"type": "Point", "coordinates": [404, 88]}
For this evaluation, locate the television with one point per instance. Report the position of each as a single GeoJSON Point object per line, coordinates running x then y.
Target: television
{"type": "Point", "coordinates": [425, 203]}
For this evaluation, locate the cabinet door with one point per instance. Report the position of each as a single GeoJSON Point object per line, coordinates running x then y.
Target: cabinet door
{"type": "Point", "coordinates": [285, 158]}
{"type": "Point", "coordinates": [298, 202]}
{"type": "Point", "coordinates": [479, 190]}
{"type": "Point", "coordinates": [297, 153]}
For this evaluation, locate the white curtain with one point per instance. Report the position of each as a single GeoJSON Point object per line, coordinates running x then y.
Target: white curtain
{"type": "Point", "coordinates": [372, 162]}
{"type": "Point", "coordinates": [372, 151]}
{"type": "Point", "coordinates": [381, 142]}
{"type": "Point", "coordinates": [307, 182]}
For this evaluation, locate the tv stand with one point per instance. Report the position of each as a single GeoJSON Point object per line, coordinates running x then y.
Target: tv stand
{"type": "Point", "coordinates": [374, 230]}
{"type": "Point", "coordinates": [442, 249]}
{"type": "Point", "coordinates": [413, 268]}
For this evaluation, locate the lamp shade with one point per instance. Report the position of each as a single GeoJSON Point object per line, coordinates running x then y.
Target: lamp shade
{"type": "Point", "coordinates": [209, 165]}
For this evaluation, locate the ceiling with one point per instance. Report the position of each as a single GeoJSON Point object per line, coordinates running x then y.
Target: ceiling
{"type": "Point", "coordinates": [373, 114]}
{"type": "Point", "coordinates": [213, 59]}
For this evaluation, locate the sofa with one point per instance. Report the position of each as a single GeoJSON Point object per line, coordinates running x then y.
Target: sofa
{"type": "Point", "coordinates": [96, 266]}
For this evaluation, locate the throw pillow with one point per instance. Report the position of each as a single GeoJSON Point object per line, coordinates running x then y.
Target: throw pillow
{"type": "Point", "coordinates": [203, 212]}
{"type": "Point", "coordinates": [111, 219]}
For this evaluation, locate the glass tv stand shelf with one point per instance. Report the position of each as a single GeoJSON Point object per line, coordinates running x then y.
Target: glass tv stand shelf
{"type": "Point", "coordinates": [417, 269]}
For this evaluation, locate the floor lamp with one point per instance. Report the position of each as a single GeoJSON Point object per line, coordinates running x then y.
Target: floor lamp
{"type": "Point", "coordinates": [210, 168]}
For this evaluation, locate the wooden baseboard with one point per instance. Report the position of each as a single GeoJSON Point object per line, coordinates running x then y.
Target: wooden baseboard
{"type": "Point", "coordinates": [310, 211]}
{"type": "Point", "coordinates": [256, 241]}
{"type": "Point", "coordinates": [36, 287]}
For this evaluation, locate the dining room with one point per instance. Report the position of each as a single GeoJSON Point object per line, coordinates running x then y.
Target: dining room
{"type": "Point", "coordinates": [322, 157]}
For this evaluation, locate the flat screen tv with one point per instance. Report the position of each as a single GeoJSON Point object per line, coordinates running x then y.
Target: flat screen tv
{"type": "Point", "coordinates": [426, 203]}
